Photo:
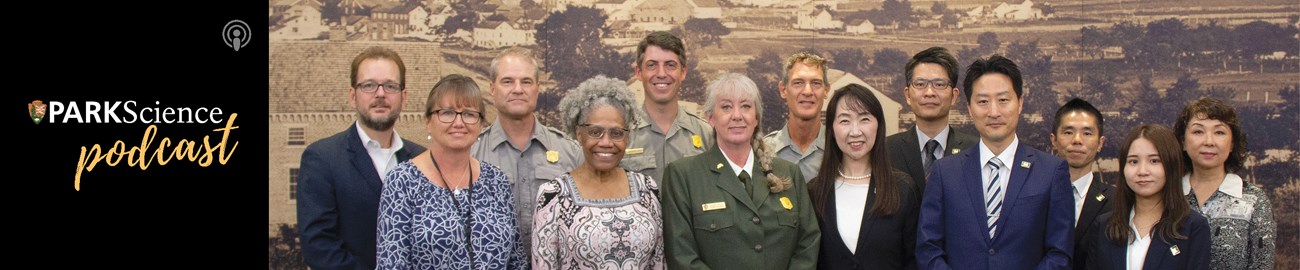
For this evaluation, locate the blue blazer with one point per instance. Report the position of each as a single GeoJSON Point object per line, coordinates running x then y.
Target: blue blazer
{"type": "Point", "coordinates": [1193, 252]}
{"type": "Point", "coordinates": [338, 201]}
{"type": "Point", "coordinates": [1037, 216]}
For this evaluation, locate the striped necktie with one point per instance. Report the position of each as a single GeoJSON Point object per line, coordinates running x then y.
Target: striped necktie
{"type": "Point", "coordinates": [993, 194]}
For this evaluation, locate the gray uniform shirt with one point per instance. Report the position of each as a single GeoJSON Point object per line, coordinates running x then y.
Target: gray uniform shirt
{"type": "Point", "coordinates": [547, 156]}
{"type": "Point", "coordinates": [809, 161]}
{"type": "Point", "coordinates": [650, 150]}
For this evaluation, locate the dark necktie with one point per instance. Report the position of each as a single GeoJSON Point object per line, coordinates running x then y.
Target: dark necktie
{"type": "Point", "coordinates": [744, 179]}
{"type": "Point", "coordinates": [928, 153]}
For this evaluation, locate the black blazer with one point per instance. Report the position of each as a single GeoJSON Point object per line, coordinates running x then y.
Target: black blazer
{"type": "Point", "coordinates": [1191, 253]}
{"type": "Point", "coordinates": [887, 242]}
{"type": "Point", "coordinates": [338, 201]}
{"type": "Point", "coordinates": [904, 153]}
{"type": "Point", "coordinates": [1096, 203]}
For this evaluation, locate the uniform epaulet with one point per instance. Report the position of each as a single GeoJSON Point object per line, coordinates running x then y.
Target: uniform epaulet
{"type": "Point", "coordinates": [560, 134]}
{"type": "Point", "coordinates": [693, 115]}
{"type": "Point", "coordinates": [485, 131]}
{"type": "Point", "coordinates": [772, 135]}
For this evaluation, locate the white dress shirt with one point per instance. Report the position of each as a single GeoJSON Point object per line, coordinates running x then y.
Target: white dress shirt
{"type": "Point", "coordinates": [385, 159]}
{"type": "Point", "coordinates": [1081, 186]}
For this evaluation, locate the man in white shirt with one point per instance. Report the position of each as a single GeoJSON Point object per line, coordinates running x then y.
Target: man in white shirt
{"type": "Point", "coordinates": [931, 93]}
{"type": "Point", "coordinates": [341, 176]}
{"type": "Point", "coordinates": [1077, 137]}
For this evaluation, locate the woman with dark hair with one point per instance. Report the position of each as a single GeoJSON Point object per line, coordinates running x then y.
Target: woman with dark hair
{"type": "Point", "coordinates": [1149, 226]}
{"type": "Point", "coordinates": [444, 209]}
{"type": "Point", "coordinates": [1239, 211]}
{"type": "Point", "coordinates": [866, 208]}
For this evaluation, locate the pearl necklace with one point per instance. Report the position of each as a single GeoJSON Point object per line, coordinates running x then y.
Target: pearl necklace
{"type": "Point", "coordinates": [853, 177]}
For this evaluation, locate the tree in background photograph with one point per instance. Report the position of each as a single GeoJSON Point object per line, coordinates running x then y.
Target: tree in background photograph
{"type": "Point", "coordinates": [989, 44]}
{"type": "Point", "coordinates": [571, 48]}
{"type": "Point", "coordinates": [766, 70]}
{"type": "Point", "coordinates": [890, 62]}
{"type": "Point", "coordinates": [698, 34]}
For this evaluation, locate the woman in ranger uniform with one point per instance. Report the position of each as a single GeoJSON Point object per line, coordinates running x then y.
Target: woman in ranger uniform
{"type": "Point", "coordinates": [735, 206]}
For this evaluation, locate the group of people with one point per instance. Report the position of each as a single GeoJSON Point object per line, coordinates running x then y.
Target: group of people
{"type": "Point", "coordinates": [622, 186]}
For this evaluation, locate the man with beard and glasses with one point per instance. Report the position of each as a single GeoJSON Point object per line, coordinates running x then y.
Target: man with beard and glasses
{"type": "Point", "coordinates": [340, 178]}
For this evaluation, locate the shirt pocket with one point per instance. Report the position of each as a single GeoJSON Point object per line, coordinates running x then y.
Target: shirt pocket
{"type": "Point", "coordinates": [787, 218]}
{"type": "Point", "coordinates": [713, 222]}
{"type": "Point", "coordinates": [641, 163]}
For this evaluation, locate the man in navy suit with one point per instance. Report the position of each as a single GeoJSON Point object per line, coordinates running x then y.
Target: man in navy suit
{"type": "Point", "coordinates": [1003, 205]}
{"type": "Point", "coordinates": [341, 177]}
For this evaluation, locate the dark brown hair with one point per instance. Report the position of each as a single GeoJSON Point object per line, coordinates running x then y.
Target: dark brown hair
{"type": "Point", "coordinates": [379, 53]}
{"type": "Point", "coordinates": [887, 182]}
{"type": "Point", "coordinates": [663, 40]}
{"type": "Point", "coordinates": [1213, 109]}
{"type": "Point", "coordinates": [1176, 208]}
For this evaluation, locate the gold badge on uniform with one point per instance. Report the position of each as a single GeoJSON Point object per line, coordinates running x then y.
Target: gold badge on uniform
{"type": "Point", "coordinates": [1025, 164]}
{"type": "Point", "coordinates": [785, 201]}
{"type": "Point", "coordinates": [719, 166]}
{"type": "Point", "coordinates": [553, 156]}
{"type": "Point", "coordinates": [697, 141]}
{"type": "Point", "coordinates": [1174, 250]}
{"type": "Point", "coordinates": [955, 151]}
{"type": "Point", "coordinates": [1101, 197]}
{"type": "Point", "coordinates": [714, 206]}
{"type": "Point", "coordinates": [633, 151]}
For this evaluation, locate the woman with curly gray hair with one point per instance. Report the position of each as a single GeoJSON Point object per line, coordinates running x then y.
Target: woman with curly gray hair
{"type": "Point", "coordinates": [718, 203]}
{"type": "Point", "coordinates": [599, 216]}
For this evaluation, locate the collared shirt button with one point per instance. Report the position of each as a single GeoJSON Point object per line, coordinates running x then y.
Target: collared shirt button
{"type": "Point", "coordinates": [756, 220]}
{"type": "Point", "coordinates": [713, 226]}
{"type": "Point", "coordinates": [758, 248]}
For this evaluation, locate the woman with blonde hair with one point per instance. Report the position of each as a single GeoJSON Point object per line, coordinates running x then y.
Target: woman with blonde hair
{"type": "Point", "coordinates": [735, 206]}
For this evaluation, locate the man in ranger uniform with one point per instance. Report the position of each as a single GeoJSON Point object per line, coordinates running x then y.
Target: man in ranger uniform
{"type": "Point", "coordinates": [667, 131]}
{"type": "Point", "coordinates": [527, 151]}
{"type": "Point", "coordinates": [804, 87]}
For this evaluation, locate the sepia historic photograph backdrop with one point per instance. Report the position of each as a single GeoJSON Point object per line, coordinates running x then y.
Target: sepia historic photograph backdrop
{"type": "Point", "coordinates": [1138, 61]}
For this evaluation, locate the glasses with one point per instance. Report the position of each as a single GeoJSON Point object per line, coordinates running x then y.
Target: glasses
{"type": "Point", "coordinates": [594, 132]}
{"type": "Point", "coordinates": [372, 87]}
{"type": "Point", "coordinates": [668, 66]}
{"type": "Point", "coordinates": [939, 85]}
{"type": "Point", "coordinates": [449, 115]}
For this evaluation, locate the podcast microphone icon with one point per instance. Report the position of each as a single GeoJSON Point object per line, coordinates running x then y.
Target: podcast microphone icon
{"type": "Point", "coordinates": [235, 34]}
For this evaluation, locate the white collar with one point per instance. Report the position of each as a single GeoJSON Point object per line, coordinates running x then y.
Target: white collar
{"type": "Point", "coordinates": [1007, 156]}
{"type": "Point", "coordinates": [1232, 185]}
{"type": "Point", "coordinates": [737, 168]}
{"type": "Point", "coordinates": [373, 144]}
{"type": "Point", "coordinates": [1082, 184]}
{"type": "Point", "coordinates": [942, 138]}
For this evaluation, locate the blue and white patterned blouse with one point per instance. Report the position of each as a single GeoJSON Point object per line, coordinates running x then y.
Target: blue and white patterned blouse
{"type": "Point", "coordinates": [421, 228]}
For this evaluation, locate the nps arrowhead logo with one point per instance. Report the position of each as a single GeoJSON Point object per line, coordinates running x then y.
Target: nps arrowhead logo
{"type": "Point", "coordinates": [36, 110]}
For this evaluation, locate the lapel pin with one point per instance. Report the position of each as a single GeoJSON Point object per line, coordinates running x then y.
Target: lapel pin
{"type": "Point", "coordinates": [785, 202]}
{"type": "Point", "coordinates": [1025, 164]}
{"type": "Point", "coordinates": [955, 151]}
{"type": "Point", "coordinates": [697, 141]}
{"type": "Point", "coordinates": [719, 166]}
{"type": "Point", "coordinates": [1174, 250]}
{"type": "Point", "coordinates": [1101, 197]}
